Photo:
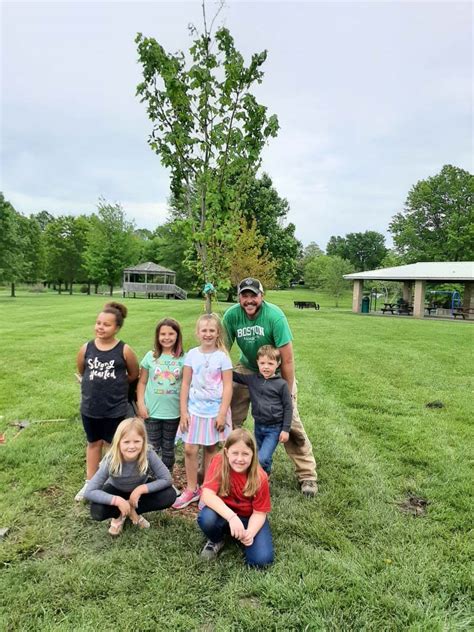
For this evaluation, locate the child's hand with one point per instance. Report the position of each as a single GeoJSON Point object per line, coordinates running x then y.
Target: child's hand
{"type": "Point", "coordinates": [136, 494]}
{"type": "Point", "coordinates": [142, 411]}
{"type": "Point", "coordinates": [123, 505]}
{"type": "Point", "coordinates": [184, 422]}
{"type": "Point", "coordinates": [237, 529]}
{"type": "Point", "coordinates": [248, 539]}
{"type": "Point", "coordinates": [284, 436]}
{"type": "Point", "coordinates": [220, 422]}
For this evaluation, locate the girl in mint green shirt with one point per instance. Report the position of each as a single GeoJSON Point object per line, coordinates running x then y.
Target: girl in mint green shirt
{"type": "Point", "coordinates": [159, 388]}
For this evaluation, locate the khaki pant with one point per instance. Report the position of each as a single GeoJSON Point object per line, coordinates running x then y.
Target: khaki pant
{"type": "Point", "coordinates": [298, 447]}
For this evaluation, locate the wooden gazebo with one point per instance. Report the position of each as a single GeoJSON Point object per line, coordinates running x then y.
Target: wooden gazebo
{"type": "Point", "coordinates": [151, 280]}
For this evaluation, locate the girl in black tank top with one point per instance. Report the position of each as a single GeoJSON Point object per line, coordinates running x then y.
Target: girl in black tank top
{"type": "Point", "coordinates": [107, 366]}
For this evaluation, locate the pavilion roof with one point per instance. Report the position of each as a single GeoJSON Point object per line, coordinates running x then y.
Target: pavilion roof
{"type": "Point", "coordinates": [423, 270]}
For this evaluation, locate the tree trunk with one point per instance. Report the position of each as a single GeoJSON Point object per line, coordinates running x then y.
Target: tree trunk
{"type": "Point", "coordinates": [208, 304]}
{"type": "Point", "coordinates": [88, 288]}
{"type": "Point", "coordinates": [111, 290]}
{"type": "Point", "coordinates": [230, 295]}
{"type": "Point", "coordinates": [59, 287]}
{"type": "Point", "coordinates": [70, 288]}
{"type": "Point", "coordinates": [12, 290]}
{"type": "Point", "coordinates": [96, 288]}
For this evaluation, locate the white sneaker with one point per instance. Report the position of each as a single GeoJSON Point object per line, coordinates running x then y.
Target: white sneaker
{"type": "Point", "coordinates": [80, 494]}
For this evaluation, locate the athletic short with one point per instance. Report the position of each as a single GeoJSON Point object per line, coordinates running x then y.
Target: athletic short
{"type": "Point", "coordinates": [100, 428]}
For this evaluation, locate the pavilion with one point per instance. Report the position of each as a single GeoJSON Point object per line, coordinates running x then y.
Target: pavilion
{"type": "Point", "coordinates": [418, 275]}
{"type": "Point", "coordinates": [152, 280]}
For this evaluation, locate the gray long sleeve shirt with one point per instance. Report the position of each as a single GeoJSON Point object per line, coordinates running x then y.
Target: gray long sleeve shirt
{"type": "Point", "coordinates": [271, 399]}
{"type": "Point", "coordinates": [128, 480]}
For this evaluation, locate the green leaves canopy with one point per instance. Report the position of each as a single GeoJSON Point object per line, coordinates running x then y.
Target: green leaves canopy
{"type": "Point", "coordinates": [437, 223]}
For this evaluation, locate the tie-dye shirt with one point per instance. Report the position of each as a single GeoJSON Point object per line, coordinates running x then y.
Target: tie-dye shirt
{"type": "Point", "coordinates": [205, 392]}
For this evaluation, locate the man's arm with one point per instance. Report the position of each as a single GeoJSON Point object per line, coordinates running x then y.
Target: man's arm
{"type": "Point", "coordinates": [229, 334]}
{"type": "Point", "coordinates": [287, 366]}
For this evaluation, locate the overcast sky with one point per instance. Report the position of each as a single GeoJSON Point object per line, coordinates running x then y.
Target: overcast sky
{"type": "Point", "coordinates": [371, 97]}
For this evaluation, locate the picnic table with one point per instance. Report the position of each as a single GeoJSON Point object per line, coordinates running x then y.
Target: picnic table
{"type": "Point", "coordinates": [389, 307]}
{"type": "Point", "coordinates": [306, 304]}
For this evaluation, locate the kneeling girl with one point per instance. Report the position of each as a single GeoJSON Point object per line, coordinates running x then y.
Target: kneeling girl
{"type": "Point", "coordinates": [237, 498]}
{"type": "Point", "coordinates": [131, 480]}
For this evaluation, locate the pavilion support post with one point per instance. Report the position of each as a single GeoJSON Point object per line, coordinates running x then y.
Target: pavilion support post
{"type": "Point", "coordinates": [407, 291]}
{"type": "Point", "coordinates": [357, 295]}
{"type": "Point", "coordinates": [468, 298]}
{"type": "Point", "coordinates": [419, 301]}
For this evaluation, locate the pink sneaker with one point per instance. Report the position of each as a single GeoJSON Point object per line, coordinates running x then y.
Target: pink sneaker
{"type": "Point", "coordinates": [187, 497]}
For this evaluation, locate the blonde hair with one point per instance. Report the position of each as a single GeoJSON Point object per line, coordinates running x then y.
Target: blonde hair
{"type": "Point", "coordinates": [253, 477]}
{"type": "Point", "coordinates": [220, 344]}
{"type": "Point", "coordinates": [270, 352]}
{"type": "Point", "coordinates": [114, 456]}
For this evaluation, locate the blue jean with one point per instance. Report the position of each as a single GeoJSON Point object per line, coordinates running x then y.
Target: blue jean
{"type": "Point", "coordinates": [215, 527]}
{"type": "Point", "coordinates": [267, 437]}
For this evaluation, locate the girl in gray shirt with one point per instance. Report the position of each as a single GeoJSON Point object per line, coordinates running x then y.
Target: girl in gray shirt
{"type": "Point", "coordinates": [130, 481]}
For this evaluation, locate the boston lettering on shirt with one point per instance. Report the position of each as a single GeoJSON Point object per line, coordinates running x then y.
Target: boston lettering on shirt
{"type": "Point", "coordinates": [104, 382]}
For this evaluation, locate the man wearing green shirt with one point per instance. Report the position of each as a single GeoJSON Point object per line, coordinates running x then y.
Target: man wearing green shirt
{"type": "Point", "coordinates": [252, 323]}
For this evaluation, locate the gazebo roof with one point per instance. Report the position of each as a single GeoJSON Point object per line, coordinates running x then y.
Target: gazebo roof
{"type": "Point", "coordinates": [422, 271]}
{"type": "Point", "coordinates": [149, 266]}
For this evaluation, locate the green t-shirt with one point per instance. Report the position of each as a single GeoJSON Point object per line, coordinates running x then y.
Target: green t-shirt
{"type": "Point", "coordinates": [163, 386]}
{"type": "Point", "coordinates": [270, 327]}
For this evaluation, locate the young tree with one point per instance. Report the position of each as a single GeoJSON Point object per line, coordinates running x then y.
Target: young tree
{"type": "Point", "coordinates": [111, 245]}
{"type": "Point", "coordinates": [364, 250]}
{"type": "Point", "coordinates": [326, 272]}
{"type": "Point", "coordinates": [209, 130]}
{"type": "Point", "coordinates": [250, 258]}
{"type": "Point", "coordinates": [437, 223]}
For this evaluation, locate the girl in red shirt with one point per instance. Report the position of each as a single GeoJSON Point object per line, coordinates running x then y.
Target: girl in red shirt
{"type": "Point", "coordinates": [237, 499]}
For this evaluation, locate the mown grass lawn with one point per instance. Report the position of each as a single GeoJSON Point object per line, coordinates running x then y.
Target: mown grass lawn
{"type": "Point", "coordinates": [355, 558]}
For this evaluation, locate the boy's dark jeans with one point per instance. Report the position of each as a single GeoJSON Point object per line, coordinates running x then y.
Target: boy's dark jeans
{"type": "Point", "coordinates": [267, 436]}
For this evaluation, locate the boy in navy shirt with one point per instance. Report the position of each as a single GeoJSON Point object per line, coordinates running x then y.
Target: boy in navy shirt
{"type": "Point", "coordinates": [272, 408]}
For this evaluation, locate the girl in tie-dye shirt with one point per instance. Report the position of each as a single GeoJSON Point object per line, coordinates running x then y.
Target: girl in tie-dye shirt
{"type": "Point", "coordinates": [205, 399]}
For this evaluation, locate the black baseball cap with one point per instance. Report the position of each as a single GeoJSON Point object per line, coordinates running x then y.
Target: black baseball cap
{"type": "Point", "coordinates": [253, 285]}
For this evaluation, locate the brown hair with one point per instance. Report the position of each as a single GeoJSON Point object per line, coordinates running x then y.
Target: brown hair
{"type": "Point", "coordinates": [270, 352]}
{"type": "Point", "coordinates": [253, 477]}
{"type": "Point", "coordinates": [114, 455]}
{"type": "Point", "coordinates": [118, 310]}
{"type": "Point", "coordinates": [220, 344]}
{"type": "Point", "coordinates": [178, 345]}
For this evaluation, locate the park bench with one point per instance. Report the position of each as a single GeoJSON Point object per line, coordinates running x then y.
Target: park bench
{"type": "Point", "coordinates": [463, 312]}
{"type": "Point", "coordinates": [306, 304]}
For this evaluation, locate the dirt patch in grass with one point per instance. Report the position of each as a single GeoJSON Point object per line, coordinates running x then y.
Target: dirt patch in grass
{"type": "Point", "coordinates": [249, 602]}
{"type": "Point", "coordinates": [413, 505]}
{"type": "Point", "coordinates": [51, 493]}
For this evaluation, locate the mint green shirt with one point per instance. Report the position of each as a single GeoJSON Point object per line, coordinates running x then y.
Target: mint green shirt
{"type": "Point", "coordinates": [163, 386]}
{"type": "Point", "coordinates": [270, 327]}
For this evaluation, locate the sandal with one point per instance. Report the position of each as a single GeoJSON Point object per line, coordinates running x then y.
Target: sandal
{"type": "Point", "coordinates": [142, 523]}
{"type": "Point", "coordinates": [116, 525]}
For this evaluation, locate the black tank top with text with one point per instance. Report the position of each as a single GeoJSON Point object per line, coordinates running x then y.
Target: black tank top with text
{"type": "Point", "coordinates": [104, 382]}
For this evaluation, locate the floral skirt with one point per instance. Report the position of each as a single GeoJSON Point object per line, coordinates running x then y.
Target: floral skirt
{"type": "Point", "coordinates": [203, 431]}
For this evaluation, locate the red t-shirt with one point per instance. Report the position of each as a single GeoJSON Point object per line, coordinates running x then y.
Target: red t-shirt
{"type": "Point", "coordinates": [242, 505]}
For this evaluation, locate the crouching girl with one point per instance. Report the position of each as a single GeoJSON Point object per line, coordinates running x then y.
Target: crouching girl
{"type": "Point", "coordinates": [130, 481]}
{"type": "Point", "coordinates": [237, 499]}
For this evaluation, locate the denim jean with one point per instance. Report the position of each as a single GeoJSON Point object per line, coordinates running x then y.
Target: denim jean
{"type": "Point", "coordinates": [215, 527]}
{"type": "Point", "coordinates": [267, 437]}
